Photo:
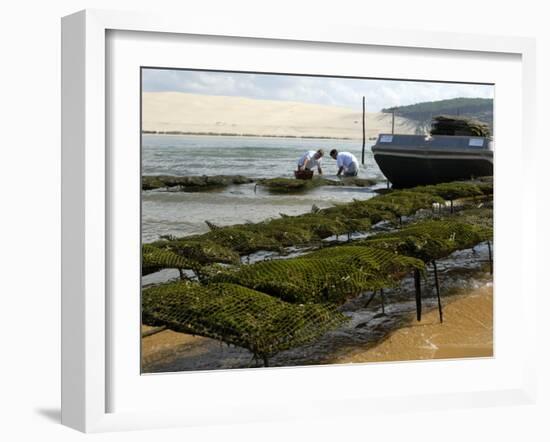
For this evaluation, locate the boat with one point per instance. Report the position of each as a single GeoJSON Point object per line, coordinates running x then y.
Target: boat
{"type": "Point", "coordinates": [412, 160]}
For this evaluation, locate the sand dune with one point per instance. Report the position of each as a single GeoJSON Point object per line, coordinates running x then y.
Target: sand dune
{"type": "Point", "coordinates": [182, 112]}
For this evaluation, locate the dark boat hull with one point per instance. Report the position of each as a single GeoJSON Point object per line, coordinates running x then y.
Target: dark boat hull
{"type": "Point", "coordinates": [412, 160]}
{"type": "Point", "coordinates": [409, 171]}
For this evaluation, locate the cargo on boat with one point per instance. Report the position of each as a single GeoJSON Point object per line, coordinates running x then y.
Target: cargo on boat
{"type": "Point", "coordinates": [412, 160]}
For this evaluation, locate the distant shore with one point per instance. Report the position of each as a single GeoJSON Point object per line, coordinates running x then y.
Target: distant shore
{"type": "Point", "coordinates": [222, 134]}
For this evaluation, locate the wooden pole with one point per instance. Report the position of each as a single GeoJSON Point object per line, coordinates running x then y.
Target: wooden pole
{"type": "Point", "coordinates": [363, 154]}
{"type": "Point", "coordinates": [437, 291]}
{"type": "Point", "coordinates": [392, 122]}
{"type": "Point", "coordinates": [370, 299]}
{"type": "Point", "coordinates": [418, 294]}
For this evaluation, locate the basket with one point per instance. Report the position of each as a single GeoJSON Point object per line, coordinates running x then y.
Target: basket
{"type": "Point", "coordinates": [303, 174]}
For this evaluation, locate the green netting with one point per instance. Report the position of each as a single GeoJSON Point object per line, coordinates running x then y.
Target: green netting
{"type": "Point", "coordinates": [454, 190]}
{"type": "Point", "coordinates": [237, 315]}
{"type": "Point", "coordinates": [358, 182]}
{"type": "Point", "coordinates": [243, 239]}
{"type": "Point", "coordinates": [388, 207]}
{"type": "Point", "coordinates": [154, 259]}
{"type": "Point", "coordinates": [192, 183]}
{"type": "Point", "coordinates": [291, 231]}
{"type": "Point", "coordinates": [236, 307]}
{"type": "Point", "coordinates": [199, 249]}
{"type": "Point", "coordinates": [481, 216]}
{"type": "Point", "coordinates": [360, 210]}
{"type": "Point", "coordinates": [403, 203]}
{"type": "Point", "coordinates": [331, 275]}
{"type": "Point", "coordinates": [275, 234]}
{"type": "Point", "coordinates": [486, 187]}
{"type": "Point", "coordinates": [291, 185]}
{"type": "Point", "coordinates": [224, 244]}
{"type": "Point", "coordinates": [434, 239]}
{"type": "Point", "coordinates": [310, 227]}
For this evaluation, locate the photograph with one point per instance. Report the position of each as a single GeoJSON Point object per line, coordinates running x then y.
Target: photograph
{"type": "Point", "coordinates": [292, 220]}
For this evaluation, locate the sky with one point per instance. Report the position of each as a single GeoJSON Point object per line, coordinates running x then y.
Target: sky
{"type": "Point", "coordinates": [316, 90]}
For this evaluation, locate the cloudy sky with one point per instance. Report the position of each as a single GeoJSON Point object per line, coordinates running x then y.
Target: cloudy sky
{"type": "Point", "coordinates": [333, 91]}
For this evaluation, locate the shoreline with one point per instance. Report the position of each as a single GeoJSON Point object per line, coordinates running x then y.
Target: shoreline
{"type": "Point", "coordinates": [245, 135]}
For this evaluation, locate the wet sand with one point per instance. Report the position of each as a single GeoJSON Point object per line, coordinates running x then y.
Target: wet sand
{"type": "Point", "coordinates": [466, 332]}
{"type": "Point", "coordinates": [167, 344]}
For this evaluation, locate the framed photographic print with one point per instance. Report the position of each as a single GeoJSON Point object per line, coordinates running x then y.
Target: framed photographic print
{"type": "Point", "coordinates": [253, 238]}
{"type": "Point", "coordinates": [291, 223]}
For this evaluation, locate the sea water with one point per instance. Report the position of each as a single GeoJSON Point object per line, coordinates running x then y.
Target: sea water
{"type": "Point", "coordinates": [166, 212]}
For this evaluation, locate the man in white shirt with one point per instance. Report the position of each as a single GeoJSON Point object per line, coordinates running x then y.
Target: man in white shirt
{"type": "Point", "coordinates": [310, 160]}
{"type": "Point", "coordinates": [346, 163]}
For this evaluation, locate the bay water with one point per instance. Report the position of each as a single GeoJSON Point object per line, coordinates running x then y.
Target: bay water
{"type": "Point", "coordinates": [169, 212]}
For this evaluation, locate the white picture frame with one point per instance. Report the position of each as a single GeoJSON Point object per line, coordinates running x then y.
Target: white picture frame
{"type": "Point", "coordinates": [86, 215]}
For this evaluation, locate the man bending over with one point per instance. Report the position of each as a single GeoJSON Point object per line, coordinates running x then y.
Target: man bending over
{"type": "Point", "coordinates": [346, 162]}
{"type": "Point", "coordinates": [310, 160]}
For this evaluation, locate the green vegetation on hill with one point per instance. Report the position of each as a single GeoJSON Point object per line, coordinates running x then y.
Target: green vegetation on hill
{"type": "Point", "coordinates": [478, 108]}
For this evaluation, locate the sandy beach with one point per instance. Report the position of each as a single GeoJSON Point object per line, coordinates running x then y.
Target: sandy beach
{"type": "Point", "coordinates": [467, 332]}
{"type": "Point", "coordinates": [207, 114]}
{"type": "Point", "coordinates": [168, 343]}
